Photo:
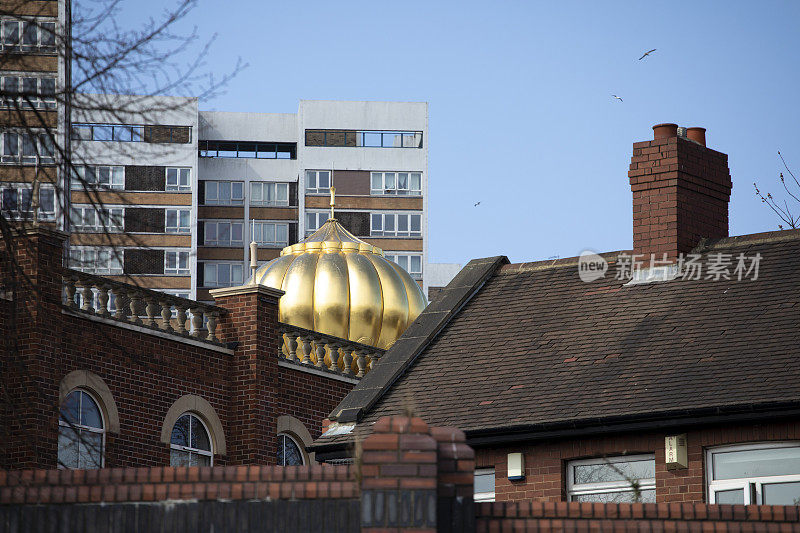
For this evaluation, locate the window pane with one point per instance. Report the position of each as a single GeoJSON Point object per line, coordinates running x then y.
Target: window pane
{"type": "Point", "coordinates": [172, 218]}
{"type": "Point", "coordinates": [282, 234]}
{"type": "Point", "coordinates": [402, 223]}
{"type": "Point", "coordinates": [90, 412]}
{"type": "Point", "coordinates": [484, 481]}
{"type": "Point", "coordinates": [416, 263]}
{"type": "Point", "coordinates": [70, 409]}
{"type": "Point", "coordinates": [288, 452]}
{"type": "Point", "coordinates": [211, 191]}
{"type": "Point", "coordinates": [282, 193]}
{"type": "Point", "coordinates": [733, 496]}
{"type": "Point", "coordinates": [184, 219]}
{"type": "Point", "coordinates": [416, 181]}
{"type": "Point", "coordinates": [236, 232]}
{"type": "Point", "coordinates": [90, 450]}
{"type": "Point", "coordinates": [645, 496]}
{"type": "Point", "coordinates": [781, 493]}
{"type": "Point", "coordinates": [614, 471]}
{"type": "Point", "coordinates": [223, 274]}
{"type": "Point", "coordinates": [67, 447]}
{"type": "Point", "coordinates": [311, 179]}
{"type": "Point", "coordinates": [210, 275]}
{"type": "Point", "coordinates": [756, 463]}
{"type": "Point", "coordinates": [178, 458]}
{"type": "Point", "coordinates": [377, 222]}
{"type": "Point", "coordinates": [402, 180]}
{"type": "Point", "coordinates": [180, 431]}
{"type": "Point", "coordinates": [324, 180]}
{"type": "Point", "coordinates": [377, 181]}
{"type": "Point", "coordinates": [402, 260]}
{"type": "Point", "coordinates": [416, 223]}
{"type": "Point", "coordinates": [256, 191]}
{"type": "Point", "coordinates": [388, 223]}
{"type": "Point", "coordinates": [10, 144]}
{"type": "Point", "coordinates": [389, 180]}
{"type": "Point", "coordinates": [224, 232]}
{"type": "Point", "coordinates": [103, 133]}
{"type": "Point", "coordinates": [372, 139]}
{"type": "Point", "coordinates": [200, 438]}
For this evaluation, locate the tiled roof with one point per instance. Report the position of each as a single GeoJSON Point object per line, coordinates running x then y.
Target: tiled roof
{"type": "Point", "coordinates": [536, 346]}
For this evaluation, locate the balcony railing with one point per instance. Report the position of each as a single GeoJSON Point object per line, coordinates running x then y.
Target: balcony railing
{"type": "Point", "coordinates": [114, 300]}
{"type": "Point", "coordinates": [326, 352]}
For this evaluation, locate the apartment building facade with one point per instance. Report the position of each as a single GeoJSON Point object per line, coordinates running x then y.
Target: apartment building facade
{"type": "Point", "coordinates": [34, 109]}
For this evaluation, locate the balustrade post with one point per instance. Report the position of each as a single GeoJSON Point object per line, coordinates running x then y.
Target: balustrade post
{"type": "Point", "coordinates": [213, 320]}
{"type": "Point", "coordinates": [348, 362]}
{"type": "Point", "coordinates": [151, 309]}
{"type": "Point", "coordinates": [135, 304]}
{"type": "Point", "coordinates": [181, 320]}
{"type": "Point", "coordinates": [374, 357]}
{"type": "Point", "coordinates": [69, 287]}
{"type": "Point", "coordinates": [197, 321]}
{"type": "Point", "coordinates": [361, 361]}
{"type": "Point", "coordinates": [292, 346]}
{"type": "Point", "coordinates": [86, 295]}
{"type": "Point", "coordinates": [334, 355]}
{"type": "Point", "coordinates": [320, 352]}
{"type": "Point", "coordinates": [102, 300]}
{"type": "Point", "coordinates": [166, 316]}
{"type": "Point", "coordinates": [120, 299]}
{"type": "Point", "coordinates": [306, 350]}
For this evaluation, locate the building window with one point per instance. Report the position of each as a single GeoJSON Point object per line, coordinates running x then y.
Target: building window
{"type": "Point", "coordinates": [395, 225]}
{"type": "Point", "coordinates": [765, 474]}
{"type": "Point", "coordinates": [96, 260]}
{"type": "Point", "coordinates": [484, 485]}
{"type": "Point", "coordinates": [222, 274]}
{"type": "Point", "coordinates": [397, 183]}
{"type": "Point", "coordinates": [179, 179]}
{"type": "Point", "coordinates": [15, 201]}
{"type": "Point", "coordinates": [249, 150]}
{"type": "Point", "coordinates": [27, 148]}
{"type": "Point", "coordinates": [28, 36]}
{"type": "Point", "coordinates": [178, 221]}
{"type": "Point", "coordinates": [412, 263]}
{"type": "Point", "coordinates": [131, 133]}
{"type": "Point", "coordinates": [223, 233]}
{"type": "Point", "coordinates": [224, 193]}
{"type": "Point", "coordinates": [314, 221]}
{"type": "Point", "coordinates": [273, 234]}
{"type": "Point", "coordinates": [612, 479]}
{"type": "Point", "coordinates": [176, 263]}
{"type": "Point", "coordinates": [28, 92]}
{"type": "Point", "coordinates": [364, 138]}
{"type": "Point", "coordinates": [289, 453]}
{"type": "Point", "coordinates": [92, 219]}
{"type": "Point", "coordinates": [81, 433]}
{"type": "Point", "coordinates": [318, 181]}
{"type": "Point", "coordinates": [104, 176]}
{"type": "Point", "coordinates": [190, 443]}
{"type": "Point", "coordinates": [269, 194]}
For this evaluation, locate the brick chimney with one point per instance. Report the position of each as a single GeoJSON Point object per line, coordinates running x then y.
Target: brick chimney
{"type": "Point", "coordinates": [680, 191]}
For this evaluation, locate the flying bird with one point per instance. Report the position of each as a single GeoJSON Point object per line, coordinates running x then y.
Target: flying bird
{"type": "Point", "coordinates": [617, 97]}
{"type": "Point", "coordinates": [647, 54]}
{"type": "Point", "coordinates": [476, 205]}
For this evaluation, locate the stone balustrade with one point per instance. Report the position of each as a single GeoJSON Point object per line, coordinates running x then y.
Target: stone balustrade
{"type": "Point", "coordinates": [326, 352]}
{"type": "Point", "coordinates": [114, 300]}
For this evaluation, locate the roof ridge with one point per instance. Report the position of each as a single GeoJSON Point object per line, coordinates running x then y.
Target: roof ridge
{"type": "Point", "coordinates": [750, 238]}
{"type": "Point", "coordinates": [513, 268]}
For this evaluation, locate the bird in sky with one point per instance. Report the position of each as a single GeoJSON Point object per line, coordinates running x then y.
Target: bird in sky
{"type": "Point", "coordinates": [617, 97]}
{"type": "Point", "coordinates": [647, 54]}
{"type": "Point", "coordinates": [476, 205]}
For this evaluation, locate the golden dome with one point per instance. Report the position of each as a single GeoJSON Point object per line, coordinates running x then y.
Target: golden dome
{"type": "Point", "coordinates": [337, 284]}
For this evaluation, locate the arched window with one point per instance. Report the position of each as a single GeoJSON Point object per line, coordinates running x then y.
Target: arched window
{"type": "Point", "coordinates": [81, 432]}
{"type": "Point", "coordinates": [190, 444]}
{"type": "Point", "coordinates": [289, 452]}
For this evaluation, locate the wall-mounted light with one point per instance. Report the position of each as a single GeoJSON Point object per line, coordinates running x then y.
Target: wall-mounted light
{"type": "Point", "coordinates": [516, 466]}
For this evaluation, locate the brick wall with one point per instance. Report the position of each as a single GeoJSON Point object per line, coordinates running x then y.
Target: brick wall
{"type": "Point", "coordinates": [680, 192]}
{"type": "Point", "coordinates": [545, 463]}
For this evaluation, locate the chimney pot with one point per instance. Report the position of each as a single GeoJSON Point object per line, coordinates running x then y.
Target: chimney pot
{"type": "Point", "coordinates": [665, 131]}
{"type": "Point", "coordinates": [697, 135]}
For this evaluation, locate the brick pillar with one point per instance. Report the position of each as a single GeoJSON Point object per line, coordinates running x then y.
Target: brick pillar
{"type": "Point", "coordinates": [680, 192]}
{"type": "Point", "coordinates": [456, 480]}
{"type": "Point", "coordinates": [402, 486]}
{"type": "Point", "coordinates": [251, 325]}
{"type": "Point", "coordinates": [30, 280]}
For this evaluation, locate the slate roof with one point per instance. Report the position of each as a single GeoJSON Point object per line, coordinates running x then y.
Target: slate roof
{"type": "Point", "coordinates": [532, 346]}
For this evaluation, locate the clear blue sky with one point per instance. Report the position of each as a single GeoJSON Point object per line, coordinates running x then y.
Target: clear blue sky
{"type": "Point", "coordinates": [521, 114]}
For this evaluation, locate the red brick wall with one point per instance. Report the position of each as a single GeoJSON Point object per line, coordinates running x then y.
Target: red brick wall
{"type": "Point", "coordinates": [680, 195]}
{"type": "Point", "coordinates": [545, 463]}
{"type": "Point", "coordinates": [145, 375]}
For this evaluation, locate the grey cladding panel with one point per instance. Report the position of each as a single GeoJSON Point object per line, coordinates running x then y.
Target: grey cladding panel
{"type": "Point", "coordinates": [141, 178]}
{"type": "Point", "coordinates": [356, 223]}
{"type": "Point", "coordinates": [144, 262]}
{"type": "Point", "coordinates": [352, 182]}
{"type": "Point", "coordinates": [144, 220]}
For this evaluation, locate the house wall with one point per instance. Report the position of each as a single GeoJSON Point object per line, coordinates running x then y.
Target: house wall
{"type": "Point", "coordinates": [546, 462]}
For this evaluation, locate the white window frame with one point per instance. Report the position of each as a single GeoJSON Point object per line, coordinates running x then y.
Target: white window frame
{"type": "Point", "coordinates": [390, 186]}
{"type": "Point", "coordinates": [216, 265]}
{"type": "Point", "coordinates": [485, 496]}
{"type": "Point", "coordinates": [296, 443]}
{"type": "Point", "coordinates": [396, 233]}
{"type": "Point", "coordinates": [41, 26]}
{"type": "Point", "coordinates": [81, 427]}
{"type": "Point", "coordinates": [115, 173]}
{"type": "Point", "coordinates": [179, 227]}
{"type": "Point", "coordinates": [189, 449]}
{"type": "Point", "coordinates": [39, 147]}
{"type": "Point", "coordinates": [216, 199]}
{"type": "Point", "coordinates": [752, 487]}
{"type": "Point", "coordinates": [607, 486]}
{"type": "Point", "coordinates": [16, 96]}
{"type": "Point", "coordinates": [320, 218]}
{"type": "Point", "coordinates": [114, 219]}
{"type": "Point", "coordinates": [20, 214]}
{"type": "Point", "coordinates": [177, 271]}
{"type": "Point", "coordinates": [313, 176]}
{"type": "Point", "coordinates": [261, 190]}
{"type": "Point", "coordinates": [258, 226]}
{"type": "Point", "coordinates": [393, 257]}
{"type": "Point", "coordinates": [224, 244]}
{"type": "Point", "coordinates": [91, 263]}
{"type": "Point", "coordinates": [178, 182]}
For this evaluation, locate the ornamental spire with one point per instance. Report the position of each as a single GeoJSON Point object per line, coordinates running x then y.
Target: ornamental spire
{"type": "Point", "coordinates": [333, 201]}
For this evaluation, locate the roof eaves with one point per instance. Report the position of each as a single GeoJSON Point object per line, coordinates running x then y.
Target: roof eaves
{"type": "Point", "coordinates": [416, 338]}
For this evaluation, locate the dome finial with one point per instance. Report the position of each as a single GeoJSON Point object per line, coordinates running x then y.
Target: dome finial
{"type": "Point", "coordinates": [333, 201]}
